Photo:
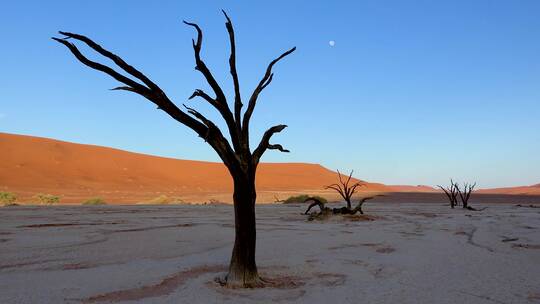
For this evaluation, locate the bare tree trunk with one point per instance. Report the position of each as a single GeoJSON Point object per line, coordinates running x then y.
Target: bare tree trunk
{"type": "Point", "coordinates": [242, 269]}
{"type": "Point", "coordinates": [349, 205]}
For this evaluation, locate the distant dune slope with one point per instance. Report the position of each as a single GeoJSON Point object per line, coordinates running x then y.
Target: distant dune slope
{"type": "Point", "coordinates": [524, 190]}
{"type": "Point", "coordinates": [31, 165]}
{"type": "Point", "coordinates": [407, 188]}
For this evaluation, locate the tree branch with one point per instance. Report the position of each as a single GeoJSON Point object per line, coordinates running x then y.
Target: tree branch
{"type": "Point", "coordinates": [156, 97]}
{"type": "Point", "coordinates": [450, 197]}
{"type": "Point", "coordinates": [215, 138]}
{"type": "Point", "coordinates": [346, 184]}
{"type": "Point", "coordinates": [353, 189]}
{"type": "Point", "coordinates": [116, 59]}
{"type": "Point", "coordinates": [277, 147]}
{"type": "Point", "coordinates": [361, 202]}
{"type": "Point", "coordinates": [220, 101]}
{"type": "Point", "coordinates": [139, 88]}
{"type": "Point", "coordinates": [203, 95]}
{"type": "Point", "coordinates": [265, 143]}
{"type": "Point", "coordinates": [337, 188]}
{"type": "Point", "coordinates": [232, 64]}
{"type": "Point", "coordinates": [267, 78]}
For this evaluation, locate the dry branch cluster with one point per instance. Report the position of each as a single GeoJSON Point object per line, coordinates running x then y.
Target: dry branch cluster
{"type": "Point", "coordinates": [454, 191]}
{"type": "Point", "coordinates": [346, 190]}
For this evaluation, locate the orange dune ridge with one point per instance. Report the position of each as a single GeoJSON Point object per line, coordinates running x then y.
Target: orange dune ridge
{"type": "Point", "coordinates": [523, 190]}
{"type": "Point", "coordinates": [407, 188]}
{"type": "Point", "coordinates": [75, 172]}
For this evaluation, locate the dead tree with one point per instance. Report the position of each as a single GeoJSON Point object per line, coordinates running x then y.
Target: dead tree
{"type": "Point", "coordinates": [466, 194]}
{"type": "Point", "coordinates": [361, 202]}
{"type": "Point", "coordinates": [344, 189]}
{"type": "Point", "coordinates": [451, 192]}
{"type": "Point", "coordinates": [325, 211]}
{"type": "Point", "coordinates": [316, 202]}
{"type": "Point", "coordinates": [237, 156]}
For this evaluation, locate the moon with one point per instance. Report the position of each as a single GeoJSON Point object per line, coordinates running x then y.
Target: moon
{"type": "Point", "coordinates": [331, 42]}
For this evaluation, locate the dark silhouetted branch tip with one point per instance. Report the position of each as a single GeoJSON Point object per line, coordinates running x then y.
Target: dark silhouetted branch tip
{"type": "Point", "coordinates": [123, 88]}
{"type": "Point", "coordinates": [278, 147]}
{"type": "Point", "coordinates": [226, 16]}
{"type": "Point", "coordinates": [196, 26]}
{"type": "Point", "coordinates": [196, 93]}
{"type": "Point", "coordinates": [267, 78]}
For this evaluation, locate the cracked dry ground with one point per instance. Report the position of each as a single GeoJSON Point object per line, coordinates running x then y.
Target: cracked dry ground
{"type": "Point", "coordinates": [410, 253]}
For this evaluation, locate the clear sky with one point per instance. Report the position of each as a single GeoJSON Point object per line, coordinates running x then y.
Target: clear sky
{"type": "Point", "coordinates": [412, 92]}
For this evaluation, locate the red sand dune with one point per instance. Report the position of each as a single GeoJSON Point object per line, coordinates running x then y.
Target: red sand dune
{"type": "Point", "coordinates": [523, 190]}
{"type": "Point", "coordinates": [407, 188]}
{"type": "Point", "coordinates": [30, 165]}
{"type": "Point", "coordinates": [76, 172]}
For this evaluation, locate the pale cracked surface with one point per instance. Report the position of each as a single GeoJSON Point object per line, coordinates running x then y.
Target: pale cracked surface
{"type": "Point", "coordinates": [410, 253]}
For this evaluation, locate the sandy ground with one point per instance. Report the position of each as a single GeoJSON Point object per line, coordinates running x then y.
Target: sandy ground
{"type": "Point", "coordinates": [411, 253]}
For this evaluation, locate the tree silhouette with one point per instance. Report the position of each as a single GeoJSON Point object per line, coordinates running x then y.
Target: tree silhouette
{"type": "Point", "coordinates": [465, 195]}
{"type": "Point", "coordinates": [236, 155]}
{"type": "Point", "coordinates": [323, 210]}
{"type": "Point", "coordinates": [345, 189]}
{"type": "Point", "coordinates": [451, 192]}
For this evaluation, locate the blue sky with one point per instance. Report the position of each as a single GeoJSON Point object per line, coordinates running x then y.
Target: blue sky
{"type": "Point", "coordinates": [413, 92]}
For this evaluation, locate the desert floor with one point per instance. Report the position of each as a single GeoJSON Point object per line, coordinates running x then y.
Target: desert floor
{"type": "Point", "coordinates": [411, 253]}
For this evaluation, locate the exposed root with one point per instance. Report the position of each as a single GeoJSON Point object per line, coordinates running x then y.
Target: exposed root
{"type": "Point", "coordinates": [507, 239]}
{"type": "Point", "coordinates": [474, 209]}
{"type": "Point", "coordinates": [527, 206]}
{"type": "Point", "coordinates": [283, 282]}
{"type": "Point", "coordinates": [279, 282]}
{"type": "Point", "coordinates": [254, 283]}
{"type": "Point", "coordinates": [526, 246]}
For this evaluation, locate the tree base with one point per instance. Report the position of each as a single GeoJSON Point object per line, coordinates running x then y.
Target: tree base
{"type": "Point", "coordinates": [474, 209]}
{"type": "Point", "coordinates": [252, 282]}
{"type": "Point", "coordinates": [279, 282]}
